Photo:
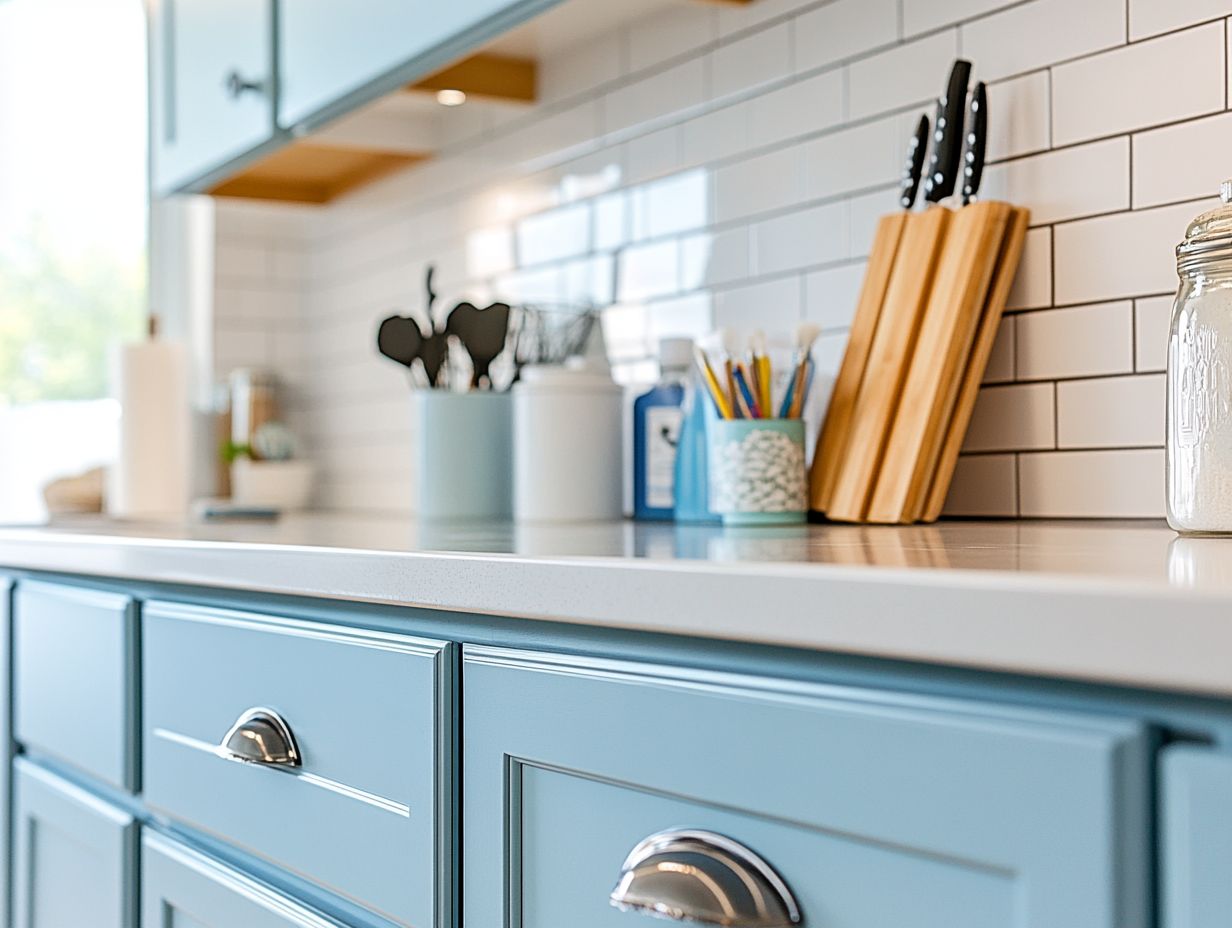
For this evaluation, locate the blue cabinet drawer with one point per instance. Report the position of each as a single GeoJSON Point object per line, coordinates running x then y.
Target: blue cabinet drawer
{"type": "Point", "coordinates": [366, 812]}
{"type": "Point", "coordinates": [74, 855]}
{"type": "Point", "coordinates": [1196, 813]}
{"type": "Point", "coordinates": [873, 809]}
{"type": "Point", "coordinates": [180, 886]}
{"type": "Point", "coordinates": [75, 679]}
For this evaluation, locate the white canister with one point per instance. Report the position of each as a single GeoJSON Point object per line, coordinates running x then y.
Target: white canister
{"type": "Point", "coordinates": [567, 452]}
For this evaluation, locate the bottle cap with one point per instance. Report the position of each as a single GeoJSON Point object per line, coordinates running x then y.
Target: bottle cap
{"type": "Point", "coordinates": [675, 352]}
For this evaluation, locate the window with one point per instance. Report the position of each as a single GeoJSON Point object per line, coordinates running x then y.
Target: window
{"type": "Point", "coordinates": [73, 212]}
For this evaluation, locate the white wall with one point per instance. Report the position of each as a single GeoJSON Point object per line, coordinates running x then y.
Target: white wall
{"type": "Point", "coordinates": [725, 166]}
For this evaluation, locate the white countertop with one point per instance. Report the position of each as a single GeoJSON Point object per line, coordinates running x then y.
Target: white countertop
{"type": "Point", "coordinates": [1126, 602]}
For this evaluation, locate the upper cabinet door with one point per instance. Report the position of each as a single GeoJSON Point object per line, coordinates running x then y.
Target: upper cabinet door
{"type": "Point", "coordinates": [332, 50]}
{"type": "Point", "coordinates": [212, 86]}
{"type": "Point", "coordinates": [74, 855]}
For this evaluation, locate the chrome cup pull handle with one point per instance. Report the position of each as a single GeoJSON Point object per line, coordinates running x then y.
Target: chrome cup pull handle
{"type": "Point", "coordinates": [698, 876]}
{"type": "Point", "coordinates": [260, 736]}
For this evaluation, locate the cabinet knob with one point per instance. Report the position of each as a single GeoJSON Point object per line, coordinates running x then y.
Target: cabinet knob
{"type": "Point", "coordinates": [260, 736]}
{"type": "Point", "coordinates": [237, 85]}
{"type": "Point", "coordinates": [698, 876]}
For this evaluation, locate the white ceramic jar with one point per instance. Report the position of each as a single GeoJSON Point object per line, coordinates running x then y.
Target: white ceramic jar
{"type": "Point", "coordinates": [1199, 428]}
{"type": "Point", "coordinates": [567, 454]}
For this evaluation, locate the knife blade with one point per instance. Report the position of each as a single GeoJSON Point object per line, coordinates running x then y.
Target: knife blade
{"type": "Point", "coordinates": [977, 140]}
{"type": "Point", "coordinates": [947, 135]}
{"type": "Point", "coordinates": [910, 185]}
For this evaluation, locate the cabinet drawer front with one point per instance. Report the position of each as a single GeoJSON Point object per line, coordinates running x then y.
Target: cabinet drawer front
{"type": "Point", "coordinates": [75, 679]}
{"type": "Point", "coordinates": [875, 809]}
{"type": "Point", "coordinates": [180, 886]}
{"type": "Point", "coordinates": [369, 713]}
{"type": "Point", "coordinates": [1196, 794]}
{"type": "Point", "coordinates": [74, 855]}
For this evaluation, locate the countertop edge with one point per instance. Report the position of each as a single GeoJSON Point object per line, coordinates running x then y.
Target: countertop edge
{"type": "Point", "coordinates": [1078, 628]}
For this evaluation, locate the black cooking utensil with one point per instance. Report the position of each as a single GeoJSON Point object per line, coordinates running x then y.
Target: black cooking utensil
{"type": "Point", "coordinates": [482, 332]}
{"type": "Point", "coordinates": [400, 339]}
{"type": "Point", "coordinates": [947, 135]}
{"type": "Point", "coordinates": [976, 143]}
{"type": "Point", "coordinates": [433, 354]}
{"type": "Point", "coordinates": [915, 165]}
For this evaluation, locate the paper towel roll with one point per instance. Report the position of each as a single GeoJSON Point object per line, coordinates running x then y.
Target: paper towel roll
{"type": "Point", "coordinates": [150, 478]}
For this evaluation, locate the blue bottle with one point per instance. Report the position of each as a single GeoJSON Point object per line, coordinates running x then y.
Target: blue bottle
{"type": "Point", "coordinates": [692, 468]}
{"type": "Point", "coordinates": [657, 416]}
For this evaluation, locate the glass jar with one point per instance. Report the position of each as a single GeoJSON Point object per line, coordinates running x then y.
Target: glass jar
{"type": "Point", "coordinates": [1199, 428]}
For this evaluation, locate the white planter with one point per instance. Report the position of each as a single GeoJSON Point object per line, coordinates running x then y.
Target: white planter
{"type": "Point", "coordinates": [280, 484]}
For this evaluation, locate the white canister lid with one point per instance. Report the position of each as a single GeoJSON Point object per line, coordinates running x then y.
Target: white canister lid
{"type": "Point", "coordinates": [574, 376]}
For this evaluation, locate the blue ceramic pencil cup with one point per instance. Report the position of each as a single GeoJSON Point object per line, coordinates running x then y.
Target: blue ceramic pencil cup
{"type": "Point", "coordinates": [757, 474]}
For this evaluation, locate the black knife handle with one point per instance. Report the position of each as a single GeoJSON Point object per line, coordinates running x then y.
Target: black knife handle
{"type": "Point", "coordinates": [977, 141]}
{"type": "Point", "coordinates": [915, 165]}
{"type": "Point", "coordinates": [947, 135]}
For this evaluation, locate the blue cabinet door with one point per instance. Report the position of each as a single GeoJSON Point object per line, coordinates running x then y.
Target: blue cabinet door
{"type": "Point", "coordinates": [347, 53]}
{"type": "Point", "coordinates": [876, 809]}
{"type": "Point", "coordinates": [1196, 813]}
{"type": "Point", "coordinates": [6, 750]}
{"type": "Point", "coordinates": [74, 855]}
{"type": "Point", "coordinates": [181, 887]}
{"type": "Point", "coordinates": [212, 87]}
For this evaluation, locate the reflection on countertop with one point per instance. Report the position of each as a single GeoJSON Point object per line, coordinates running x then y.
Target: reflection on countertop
{"type": "Point", "coordinates": [1145, 551]}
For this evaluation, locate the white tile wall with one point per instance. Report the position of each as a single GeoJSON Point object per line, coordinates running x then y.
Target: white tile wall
{"type": "Point", "coordinates": [727, 165]}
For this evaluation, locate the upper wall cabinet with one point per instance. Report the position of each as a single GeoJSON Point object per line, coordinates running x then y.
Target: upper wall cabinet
{"type": "Point", "coordinates": [212, 85]}
{"type": "Point", "coordinates": [335, 55]}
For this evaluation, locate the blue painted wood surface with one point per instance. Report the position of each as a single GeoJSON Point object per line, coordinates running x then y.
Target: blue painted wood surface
{"type": "Point", "coordinates": [75, 679]}
{"type": "Point", "coordinates": [196, 123]}
{"type": "Point", "coordinates": [74, 855]}
{"type": "Point", "coordinates": [1196, 834]}
{"type": "Point", "coordinates": [865, 801]}
{"type": "Point", "coordinates": [6, 752]}
{"type": "Point", "coordinates": [369, 814]}
{"type": "Point", "coordinates": [182, 888]}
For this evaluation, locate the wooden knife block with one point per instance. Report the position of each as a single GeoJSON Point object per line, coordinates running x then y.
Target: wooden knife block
{"type": "Point", "coordinates": [933, 295]}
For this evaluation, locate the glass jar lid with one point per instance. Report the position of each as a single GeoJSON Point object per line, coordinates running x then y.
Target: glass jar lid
{"type": "Point", "coordinates": [1209, 236]}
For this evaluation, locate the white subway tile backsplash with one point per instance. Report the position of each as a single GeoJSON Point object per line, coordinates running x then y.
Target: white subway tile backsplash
{"type": "Point", "coordinates": [1129, 254]}
{"type": "Point", "coordinates": [649, 270]}
{"type": "Point", "coordinates": [1013, 418]}
{"type": "Point", "coordinates": [1173, 77]}
{"type": "Point", "coordinates": [1150, 17]}
{"type": "Point", "coordinates": [1033, 35]}
{"type": "Point", "coordinates": [1182, 162]}
{"type": "Point", "coordinates": [656, 97]}
{"type": "Point", "coordinates": [1066, 184]}
{"type": "Point", "coordinates": [1020, 120]}
{"type": "Point", "coordinates": [1033, 286]}
{"type": "Point", "coordinates": [984, 485]}
{"type": "Point", "coordinates": [671, 33]}
{"type": "Point", "coordinates": [1092, 484]}
{"type": "Point", "coordinates": [728, 165]}
{"type": "Point", "coordinates": [759, 184]}
{"type": "Point", "coordinates": [1111, 412]}
{"type": "Point", "coordinates": [773, 306]}
{"type": "Point", "coordinates": [904, 75]}
{"type": "Point", "coordinates": [1152, 319]}
{"type": "Point", "coordinates": [798, 109]}
{"type": "Point", "coordinates": [854, 159]}
{"type": "Point", "coordinates": [830, 295]}
{"type": "Point", "coordinates": [714, 258]}
{"type": "Point", "coordinates": [1075, 342]}
{"type": "Point", "coordinates": [760, 58]}
{"type": "Point", "coordinates": [801, 239]}
{"type": "Point", "coordinates": [843, 29]}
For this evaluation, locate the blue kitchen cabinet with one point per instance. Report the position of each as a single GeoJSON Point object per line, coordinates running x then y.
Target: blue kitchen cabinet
{"type": "Point", "coordinates": [334, 56]}
{"type": "Point", "coordinates": [212, 87]}
{"type": "Point", "coordinates": [872, 808]}
{"type": "Point", "coordinates": [6, 747]}
{"type": "Point", "coordinates": [1196, 835]}
{"type": "Point", "coordinates": [74, 855]}
{"type": "Point", "coordinates": [182, 888]}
